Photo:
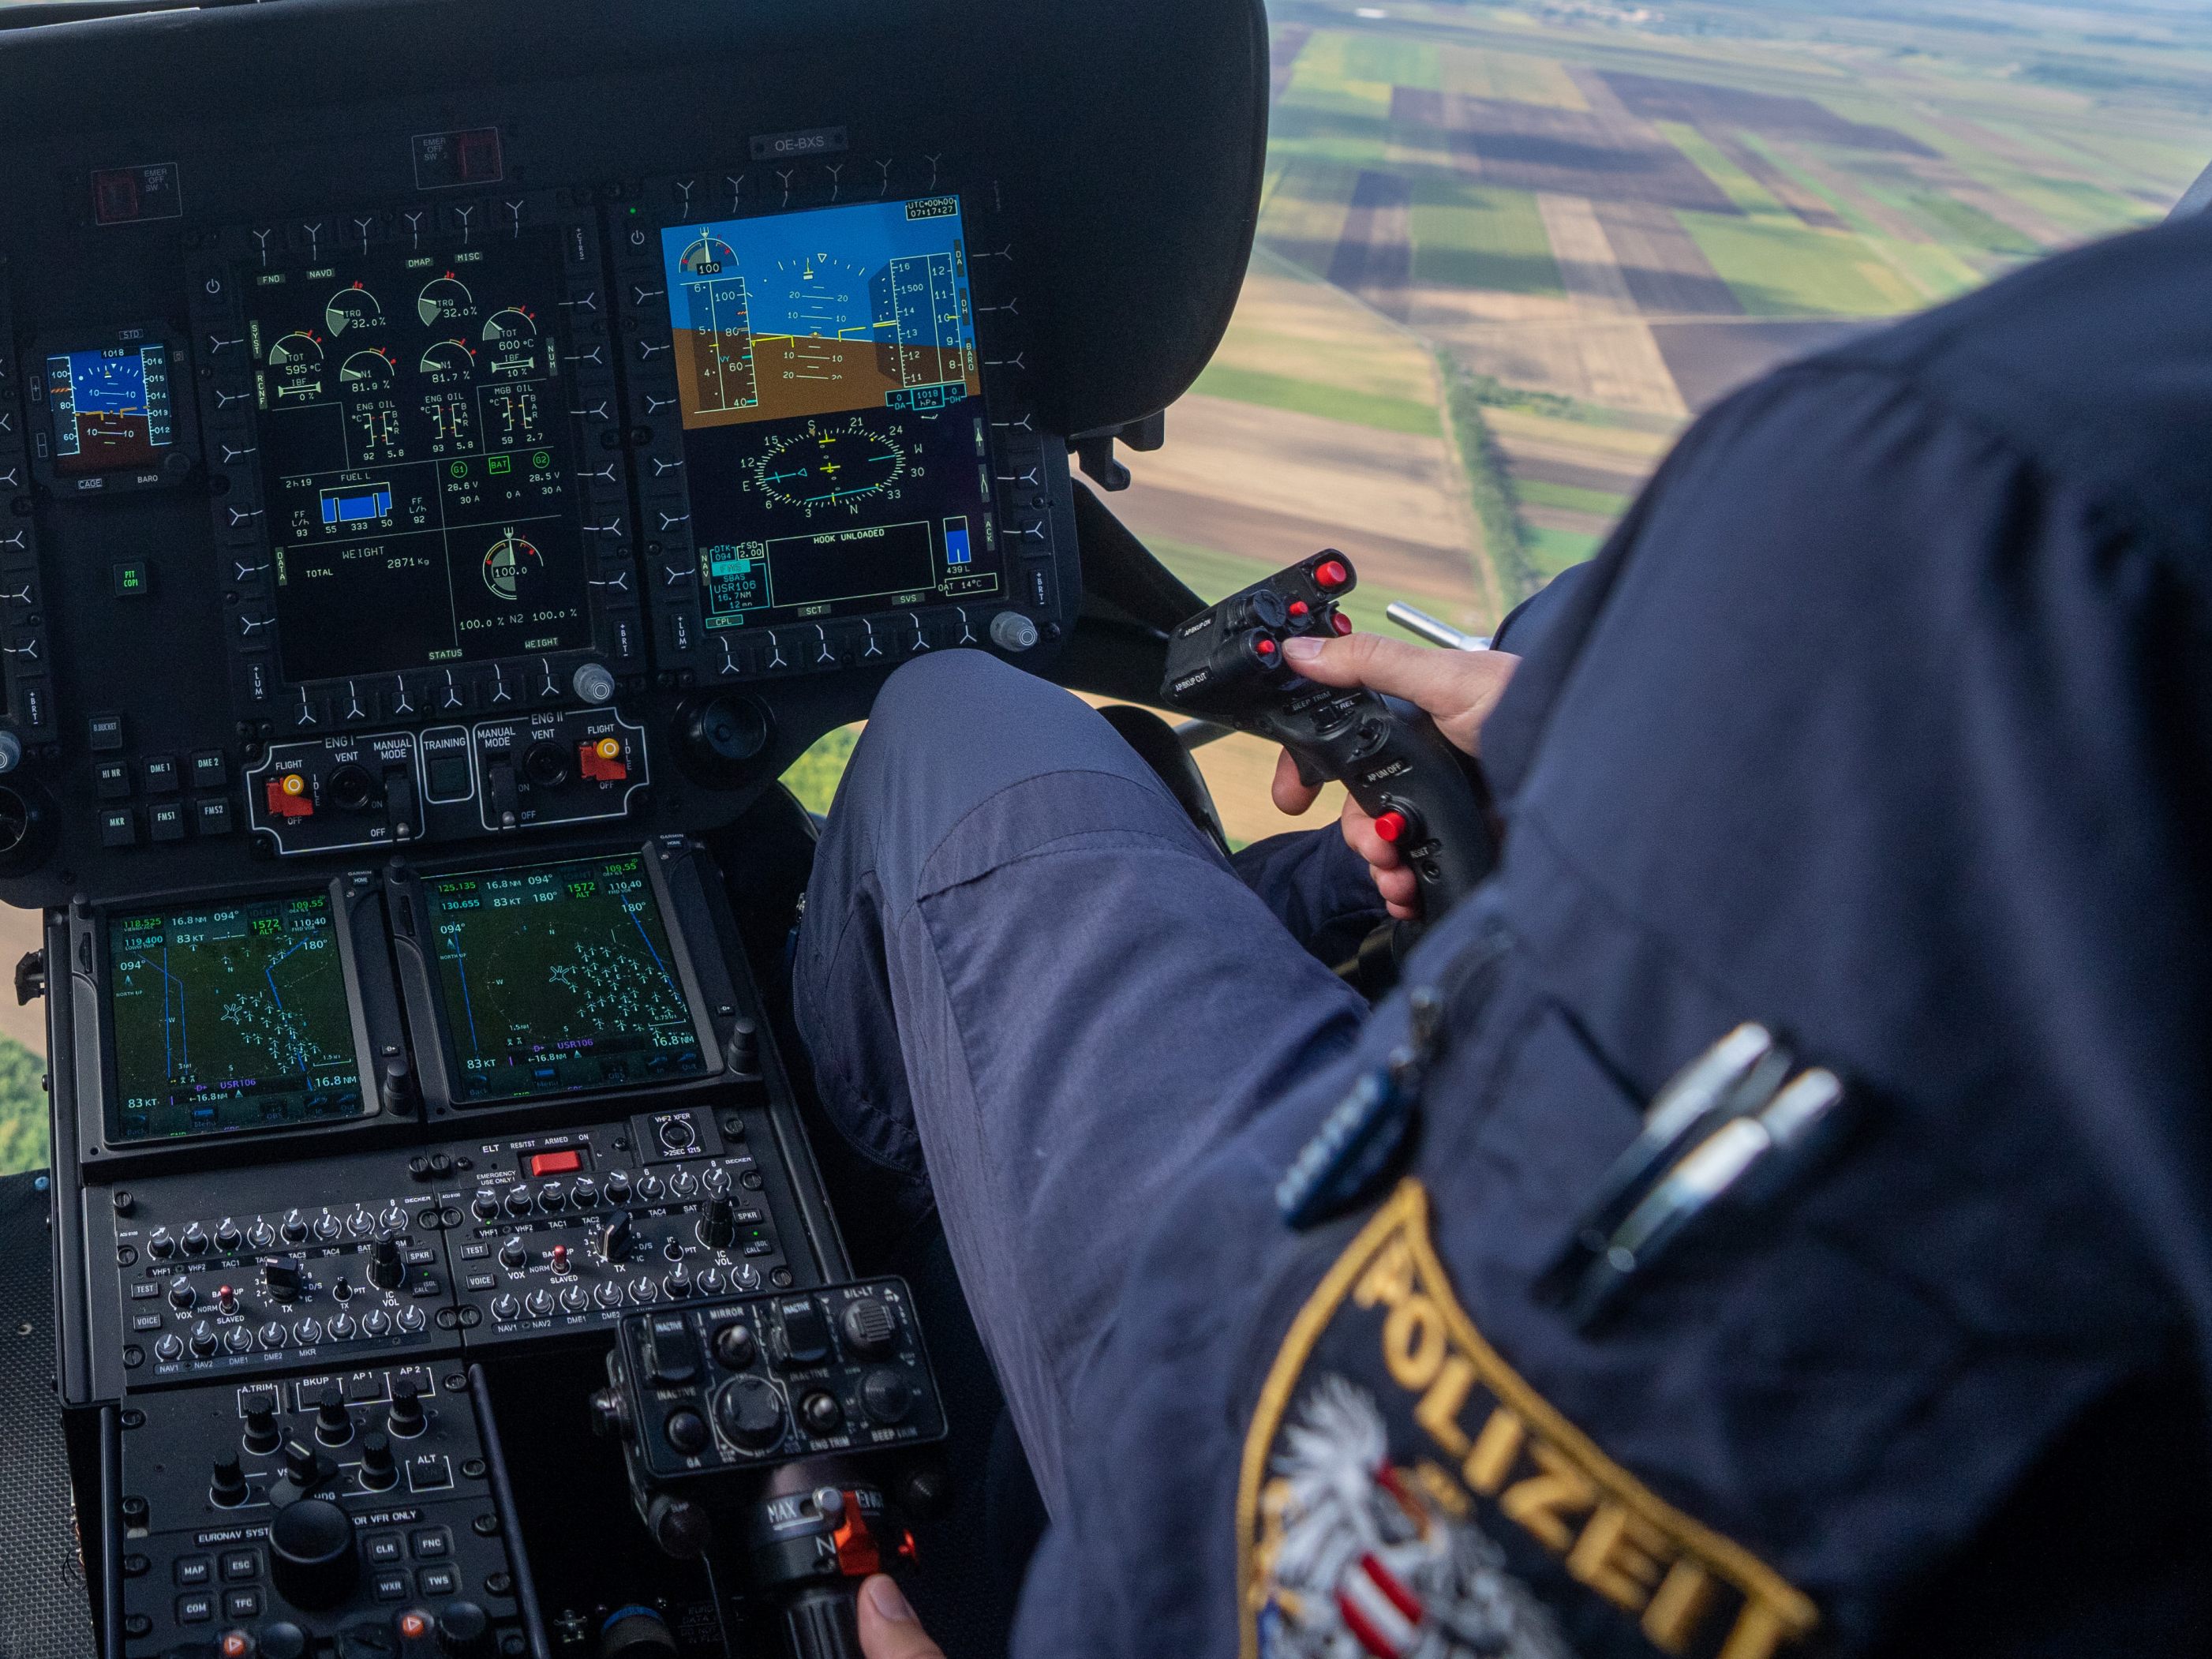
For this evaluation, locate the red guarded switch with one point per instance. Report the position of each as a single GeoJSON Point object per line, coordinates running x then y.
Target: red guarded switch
{"type": "Point", "coordinates": [547, 1163]}
{"type": "Point", "coordinates": [288, 798]}
{"type": "Point", "coordinates": [602, 761]}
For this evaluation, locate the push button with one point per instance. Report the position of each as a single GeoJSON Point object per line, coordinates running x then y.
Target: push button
{"type": "Point", "coordinates": [194, 1609]}
{"type": "Point", "coordinates": [104, 733]}
{"type": "Point", "coordinates": [215, 816]}
{"type": "Point", "coordinates": [194, 1569]}
{"type": "Point", "coordinates": [391, 1586]}
{"type": "Point", "coordinates": [208, 769]}
{"type": "Point", "coordinates": [438, 1581]}
{"type": "Point", "coordinates": [449, 778]}
{"type": "Point", "coordinates": [242, 1565]}
{"type": "Point", "coordinates": [383, 1549]}
{"type": "Point", "coordinates": [430, 1545]}
{"type": "Point", "coordinates": [119, 827]}
{"type": "Point", "coordinates": [134, 578]}
{"type": "Point", "coordinates": [160, 774]}
{"type": "Point", "coordinates": [168, 821]}
{"type": "Point", "coordinates": [112, 780]}
{"type": "Point", "coordinates": [241, 1604]}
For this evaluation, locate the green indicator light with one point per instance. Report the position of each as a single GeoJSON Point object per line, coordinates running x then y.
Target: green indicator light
{"type": "Point", "coordinates": [460, 468]}
{"type": "Point", "coordinates": [500, 464]}
{"type": "Point", "coordinates": [541, 460]}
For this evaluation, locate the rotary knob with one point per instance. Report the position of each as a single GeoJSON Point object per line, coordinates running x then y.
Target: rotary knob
{"type": "Point", "coordinates": [585, 1194]}
{"type": "Point", "coordinates": [238, 1339]}
{"type": "Point", "coordinates": [607, 1292]}
{"type": "Point", "coordinates": [263, 1237]}
{"type": "Point", "coordinates": [573, 1297]}
{"type": "Point", "coordinates": [181, 1294]}
{"type": "Point", "coordinates": [505, 1309]}
{"type": "Point", "coordinates": [169, 1350]}
{"type": "Point", "coordinates": [160, 1246]}
{"type": "Point", "coordinates": [406, 1418]}
{"type": "Point", "coordinates": [327, 1227]}
{"type": "Point", "coordinates": [540, 1302]}
{"type": "Point", "coordinates": [517, 1201]}
{"type": "Point", "coordinates": [750, 1413]}
{"type": "Point", "coordinates": [484, 1205]}
{"type": "Point", "coordinates": [195, 1242]}
{"type": "Point", "coordinates": [379, 1471]}
{"type": "Point", "coordinates": [386, 1269]}
{"type": "Point", "coordinates": [551, 1197]}
{"type": "Point", "coordinates": [295, 1229]}
{"type": "Point", "coordinates": [227, 1238]}
{"type": "Point", "coordinates": [718, 1224]}
{"type": "Point", "coordinates": [361, 1224]}
{"type": "Point", "coordinates": [649, 1187]}
{"type": "Point", "coordinates": [262, 1436]}
{"type": "Point", "coordinates": [683, 1184]}
{"type": "Point", "coordinates": [870, 1327]}
{"type": "Point", "coordinates": [619, 1186]}
{"type": "Point", "coordinates": [376, 1322]}
{"type": "Point", "coordinates": [312, 1554]}
{"type": "Point", "coordinates": [203, 1340]}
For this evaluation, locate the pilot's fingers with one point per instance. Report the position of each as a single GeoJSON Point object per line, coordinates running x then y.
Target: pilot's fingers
{"type": "Point", "coordinates": [1292, 794]}
{"type": "Point", "coordinates": [1399, 888]}
{"type": "Point", "coordinates": [1458, 688]}
{"type": "Point", "coordinates": [889, 1629]}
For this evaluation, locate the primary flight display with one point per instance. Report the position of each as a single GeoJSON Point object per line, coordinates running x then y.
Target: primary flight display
{"type": "Point", "coordinates": [830, 388]}
{"type": "Point", "coordinates": [231, 1016]}
{"type": "Point", "coordinates": [559, 977]}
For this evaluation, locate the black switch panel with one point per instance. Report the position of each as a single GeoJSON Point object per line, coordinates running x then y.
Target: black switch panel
{"type": "Point", "coordinates": [768, 1379]}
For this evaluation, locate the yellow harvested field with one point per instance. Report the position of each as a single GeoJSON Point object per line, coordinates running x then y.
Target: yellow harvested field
{"type": "Point", "coordinates": [1477, 72]}
{"type": "Point", "coordinates": [1281, 461]}
{"type": "Point", "coordinates": [1528, 433]}
{"type": "Point", "coordinates": [1289, 323]}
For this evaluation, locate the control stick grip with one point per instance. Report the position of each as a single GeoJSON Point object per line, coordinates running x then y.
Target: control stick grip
{"type": "Point", "coordinates": [822, 1621]}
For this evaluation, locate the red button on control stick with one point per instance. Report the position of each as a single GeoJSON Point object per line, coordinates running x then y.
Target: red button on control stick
{"type": "Point", "coordinates": [1331, 573]}
{"type": "Point", "coordinates": [1390, 826]}
{"type": "Point", "coordinates": [1340, 622]}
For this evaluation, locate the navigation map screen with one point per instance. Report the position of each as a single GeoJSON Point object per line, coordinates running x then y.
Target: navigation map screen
{"type": "Point", "coordinates": [831, 393]}
{"type": "Point", "coordinates": [110, 407]}
{"type": "Point", "coordinates": [558, 977]}
{"type": "Point", "coordinates": [416, 443]}
{"type": "Point", "coordinates": [229, 1017]}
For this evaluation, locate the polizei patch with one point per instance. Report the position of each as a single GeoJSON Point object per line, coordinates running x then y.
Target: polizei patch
{"type": "Point", "coordinates": [1403, 1489]}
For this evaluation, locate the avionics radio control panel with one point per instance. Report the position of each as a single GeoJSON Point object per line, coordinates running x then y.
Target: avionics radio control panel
{"type": "Point", "coordinates": [505, 513]}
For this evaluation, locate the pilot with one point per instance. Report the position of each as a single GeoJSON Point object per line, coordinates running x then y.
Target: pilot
{"type": "Point", "coordinates": [1774, 1215]}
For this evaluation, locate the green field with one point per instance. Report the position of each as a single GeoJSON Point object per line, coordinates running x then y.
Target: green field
{"type": "Point", "coordinates": [1467, 236]}
{"type": "Point", "coordinates": [1533, 492]}
{"type": "Point", "coordinates": [1249, 386]}
{"type": "Point", "coordinates": [23, 1109]}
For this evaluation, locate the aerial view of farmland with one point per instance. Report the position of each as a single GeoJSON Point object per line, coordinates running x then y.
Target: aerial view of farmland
{"type": "Point", "coordinates": [1506, 253]}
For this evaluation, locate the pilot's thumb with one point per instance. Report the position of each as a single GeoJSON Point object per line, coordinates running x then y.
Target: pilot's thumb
{"type": "Point", "coordinates": [889, 1629]}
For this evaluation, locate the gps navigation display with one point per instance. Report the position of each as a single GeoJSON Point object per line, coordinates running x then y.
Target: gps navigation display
{"type": "Point", "coordinates": [558, 977]}
{"type": "Point", "coordinates": [230, 1017]}
{"type": "Point", "coordinates": [110, 407]}
{"type": "Point", "coordinates": [415, 441]}
{"type": "Point", "coordinates": [830, 386]}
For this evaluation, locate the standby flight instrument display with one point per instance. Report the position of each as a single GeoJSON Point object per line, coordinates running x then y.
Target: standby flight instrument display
{"type": "Point", "coordinates": [416, 444]}
{"type": "Point", "coordinates": [109, 406]}
{"type": "Point", "coordinates": [230, 1017]}
{"type": "Point", "coordinates": [559, 977]}
{"type": "Point", "coordinates": [831, 390]}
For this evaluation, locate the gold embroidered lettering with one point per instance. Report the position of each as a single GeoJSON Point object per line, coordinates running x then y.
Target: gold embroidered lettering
{"type": "Point", "coordinates": [1438, 1411]}
{"type": "Point", "coordinates": [1495, 1448]}
{"type": "Point", "coordinates": [1760, 1630]}
{"type": "Point", "coordinates": [1619, 1557]}
{"type": "Point", "coordinates": [1390, 1279]}
{"type": "Point", "coordinates": [1680, 1601]}
{"type": "Point", "coordinates": [1414, 1343]}
{"type": "Point", "coordinates": [1545, 1503]}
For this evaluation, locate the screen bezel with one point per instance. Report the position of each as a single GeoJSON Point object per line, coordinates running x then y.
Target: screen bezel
{"type": "Point", "coordinates": [342, 926]}
{"type": "Point", "coordinates": [426, 986]}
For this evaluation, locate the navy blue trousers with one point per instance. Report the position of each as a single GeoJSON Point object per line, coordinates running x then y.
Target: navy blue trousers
{"type": "Point", "coordinates": [1025, 977]}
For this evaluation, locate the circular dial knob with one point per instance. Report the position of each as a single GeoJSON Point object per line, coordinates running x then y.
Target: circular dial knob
{"type": "Point", "coordinates": [311, 1556]}
{"type": "Point", "coordinates": [718, 1224]}
{"type": "Point", "coordinates": [386, 1269]}
{"type": "Point", "coordinates": [750, 1412]}
{"type": "Point", "coordinates": [870, 1327]}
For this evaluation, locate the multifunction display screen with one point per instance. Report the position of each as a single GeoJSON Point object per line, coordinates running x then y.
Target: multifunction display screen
{"type": "Point", "coordinates": [558, 977]}
{"type": "Point", "coordinates": [110, 407]}
{"type": "Point", "coordinates": [831, 393]}
{"type": "Point", "coordinates": [233, 1016]}
{"type": "Point", "coordinates": [417, 445]}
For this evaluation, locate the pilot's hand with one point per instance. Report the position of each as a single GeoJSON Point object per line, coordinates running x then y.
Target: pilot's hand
{"type": "Point", "coordinates": [889, 1629]}
{"type": "Point", "coordinates": [1457, 687]}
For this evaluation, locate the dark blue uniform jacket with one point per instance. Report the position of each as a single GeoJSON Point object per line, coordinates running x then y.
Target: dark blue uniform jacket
{"type": "Point", "coordinates": [1885, 720]}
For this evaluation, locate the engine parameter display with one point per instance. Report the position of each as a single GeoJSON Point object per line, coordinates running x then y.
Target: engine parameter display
{"type": "Point", "coordinates": [110, 407]}
{"type": "Point", "coordinates": [830, 385]}
{"type": "Point", "coordinates": [559, 977]}
{"type": "Point", "coordinates": [415, 439]}
{"type": "Point", "coordinates": [227, 1017]}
